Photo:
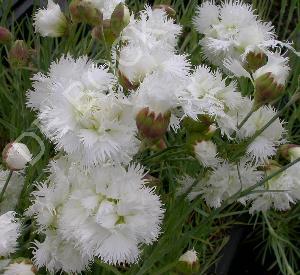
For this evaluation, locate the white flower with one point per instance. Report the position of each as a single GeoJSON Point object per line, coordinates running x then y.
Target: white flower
{"type": "Point", "coordinates": [152, 28]}
{"type": "Point", "coordinates": [189, 257]}
{"type": "Point", "coordinates": [226, 180]}
{"type": "Point", "coordinates": [12, 192]}
{"type": "Point", "coordinates": [82, 114]}
{"type": "Point", "coordinates": [106, 7]}
{"type": "Point", "coordinates": [136, 61]}
{"type": "Point", "coordinates": [112, 214]}
{"type": "Point", "coordinates": [56, 254]}
{"type": "Point", "coordinates": [106, 212]}
{"type": "Point", "coordinates": [22, 268]}
{"type": "Point", "coordinates": [209, 94]}
{"type": "Point", "coordinates": [9, 232]}
{"type": "Point", "coordinates": [277, 66]}
{"type": "Point", "coordinates": [232, 30]}
{"type": "Point", "coordinates": [265, 144]}
{"type": "Point", "coordinates": [16, 156]}
{"type": "Point", "coordinates": [206, 153]}
{"type": "Point", "coordinates": [51, 21]}
{"type": "Point", "coordinates": [280, 192]}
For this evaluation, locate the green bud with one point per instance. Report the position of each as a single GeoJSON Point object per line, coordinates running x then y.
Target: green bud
{"type": "Point", "coordinates": [168, 9]}
{"type": "Point", "coordinates": [85, 12]}
{"type": "Point", "coordinates": [19, 54]}
{"type": "Point", "coordinates": [120, 18]}
{"type": "Point", "coordinates": [5, 36]}
{"type": "Point", "coordinates": [289, 151]}
{"type": "Point", "coordinates": [152, 126]}
{"type": "Point", "coordinates": [104, 33]}
{"type": "Point", "coordinates": [266, 90]}
{"type": "Point", "coordinates": [255, 61]}
{"type": "Point", "coordinates": [188, 263]}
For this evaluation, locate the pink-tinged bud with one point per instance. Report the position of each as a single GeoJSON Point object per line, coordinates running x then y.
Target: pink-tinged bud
{"type": "Point", "coordinates": [168, 9]}
{"type": "Point", "coordinates": [104, 33]}
{"type": "Point", "coordinates": [19, 54]}
{"type": "Point", "coordinates": [267, 90]}
{"type": "Point", "coordinates": [16, 156]}
{"type": "Point", "coordinates": [188, 263]}
{"type": "Point", "coordinates": [5, 36]}
{"type": "Point", "coordinates": [255, 61]}
{"type": "Point", "coordinates": [120, 18]}
{"type": "Point", "coordinates": [85, 12]}
{"type": "Point", "coordinates": [270, 79]}
{"type": "Point", "coordinates": [289, 151]}
{"type": "Point", "coordinates": [152, 126]}
{"type": "Point", "coordinates": [125, 83]}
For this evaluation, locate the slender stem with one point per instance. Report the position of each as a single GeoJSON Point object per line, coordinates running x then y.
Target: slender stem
{"type": "Point", "coordinates": [6, 184]}
{"type": "Point", "coordinates": [246, 118]}
{"type": "Point", "coordinates": [294, 98]}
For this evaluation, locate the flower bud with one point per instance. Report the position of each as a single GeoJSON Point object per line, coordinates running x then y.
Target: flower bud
{"type": "Point", "coordinates": [125, 83]}
{"type": "Point", "coordinates": [152, 126]}
{"type": "Point", "coordinates": [255, 61]}
{"type": "Point", "coordinates": [120, 18]}
{"type": "Point", "coordinates": [19, 54]}
{"type": "Point", "coordinates": [85, 12]}
{"type": "Point", "coordinates": [290, 151]}
{"type": "Point", "coordinates": [5, 36]}
{"type": "Point", "coordinates": [188, 263]}
{"type": "Point", "coordinates": [104, 33]}
{"type": "Point", "coordinates": [270, 79]}
{"type": "Point", "coordinates": [16, 156]}
{"type": "Point", "coordinates": [168, 9]}
{"type": "Point", "coordinates": [50, 21]}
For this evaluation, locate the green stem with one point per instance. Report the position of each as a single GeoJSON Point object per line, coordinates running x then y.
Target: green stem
{"type": "Point", "coordinates": [246, 118]}
{"type": "Point", "coordinates": [6, 184]}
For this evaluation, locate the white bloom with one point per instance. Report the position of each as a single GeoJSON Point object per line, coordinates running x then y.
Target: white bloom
{"type": "Point", "coordinates": [22, 268]}
{"type": "Point", "coordinates": [12, 192]}
{"type": "Point", "coordinates": [106, 212]}
{"type": "Point", "coordinates": [280, 192]}
{"type": "Point", "coordinates": [232, 30]}
{"type": "Point", "coordinates": [51, 21]}
{"type": "Point", "coordinates": [16, 156]}
{"type": "Point", "coordinates": [82, 114]}
{"type": "Point", "coordinates": [56, 254]}
{"type": "Point", "coordinates": [225, 181]}
{"type": "Point", "coordinates": [112, 214]}
{"type": "Point", "coordinates": [206, 153]}
{"type": "Point", "coordinates": [136, 61]}
{"type": "Point", "coordinates": [189, 257]}
{"type": "Point", "coordinates": [277, 66]}
{"type": "Point", "coordinates": [9, 232]}
{"type": "Point", "coordinates": [209, 94]}
{"type": "Point", "coordinates": [152, 28]}
{"type": "Point", "coordinates": [106, 7]}
{"type": "Point", "coordinates": [265, 144]}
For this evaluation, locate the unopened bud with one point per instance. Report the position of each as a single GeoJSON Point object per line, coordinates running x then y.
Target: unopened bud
{"type": "Point", "coordinates": [168, 9]}
{"type": "Point", "coordinates": [188, 263]}
{"type": "Point", "coordinates": [104, 33]}
{"type": "Point", "coordinates": [255, 61]}
{"type": "Point", "coordinates": [5, 36]}
{"type": "Point", "coordinates": [270, 79]}
{"type": "Point", "coordinates": [290, 152]}
{"type": "Point", "coordinates": [16, 156]}
{"type": "Point", "coordinates": [85, 12]}
{"type": "Point", "coordinates": [120, 18]}
{"type": "Point", "coordinates": [19, 54]}
{"type": "Point", "coordinates": [152, 126]}
{"type": "Point", "coordinates": [125, 83]}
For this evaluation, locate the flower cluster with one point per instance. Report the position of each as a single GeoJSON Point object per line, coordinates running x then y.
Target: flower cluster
{"type": "Point", "coordinates": [96, 201]}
